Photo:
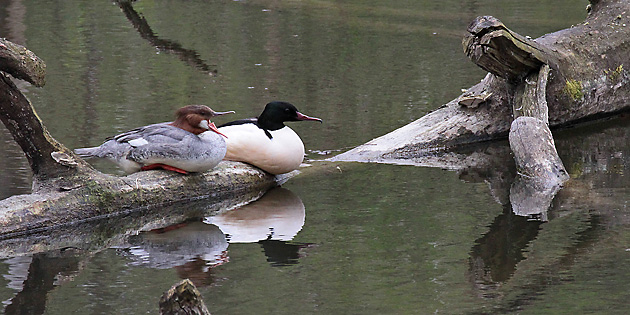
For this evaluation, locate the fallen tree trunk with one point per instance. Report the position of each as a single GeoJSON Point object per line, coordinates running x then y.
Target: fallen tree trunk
{"type": "Point", "coordinates": [587, 80]}
{"type": "Point", "coordinates": [67, 190]}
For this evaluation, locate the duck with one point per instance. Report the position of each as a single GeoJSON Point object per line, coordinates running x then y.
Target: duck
{"type": "Point", "coordinates": [265, 141]}
{"type": "Point", "coordinates": [191, 143]}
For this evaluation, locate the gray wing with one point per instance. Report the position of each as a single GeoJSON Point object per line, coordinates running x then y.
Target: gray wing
{"type": "Point", "coordinates": [156, 133]}
{"type": "Point", "coordinates": [158, 142]}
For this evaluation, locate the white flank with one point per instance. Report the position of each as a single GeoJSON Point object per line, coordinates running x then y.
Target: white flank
{"type": "Point", "coordinates": [248, 143]}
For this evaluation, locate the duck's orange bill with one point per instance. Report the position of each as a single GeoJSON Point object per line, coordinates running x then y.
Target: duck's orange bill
{"type": "Point", "coordinates": [214, 128]}
{"type": "Point", "coordinates": [301, 116]}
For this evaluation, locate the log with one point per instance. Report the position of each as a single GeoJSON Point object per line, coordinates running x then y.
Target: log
{"type": "Point", "coordinates": [541, 173]}
{"type": "Point", "coordinates": [67, 190]}
{"type": "Point", "coordinates": [530, 98]}
{"type": "Point", "coordinates": [47, 158]}
{"type": "Point", "coordinates": [122, 229]}
{"type": "Point", "coordinates": [22, 63]}
{"type": "Point", "coordinates": [587, 80]}
{"type": "Point", "coordinates": [183, 298]}
{"type": "Point", "coordinates": [500, 51]}
{"type": "Point", "coordinates": [105, 196]}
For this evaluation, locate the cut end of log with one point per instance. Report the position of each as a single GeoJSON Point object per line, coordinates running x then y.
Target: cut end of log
{"type": "Point", "coordinates": [183, 298]}
{"type": "Point", "coordinates": [502, 52]}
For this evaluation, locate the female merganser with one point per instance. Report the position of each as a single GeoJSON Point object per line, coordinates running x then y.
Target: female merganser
{"type": "Point", "coordinates": [191, 143]}
{"type": "Point", "coordinates": [265, 141]}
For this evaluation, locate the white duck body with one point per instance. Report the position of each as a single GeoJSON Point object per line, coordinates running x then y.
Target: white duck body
{"type": "Point", "coordinates": [161, 144]}
{"type": "Point", "coordinates": [265, 141]}
{"type": "Point", "coordinates": [282, 153]}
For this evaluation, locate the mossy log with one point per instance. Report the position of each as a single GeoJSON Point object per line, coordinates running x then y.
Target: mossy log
{"type": "Point", "coordinates": [68, 190]}
{"type": "Point", "coordinates": [588, 79]}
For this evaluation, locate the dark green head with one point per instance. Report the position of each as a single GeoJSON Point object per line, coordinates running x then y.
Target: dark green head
{"type": "Point", "coordinates": [276, 113]}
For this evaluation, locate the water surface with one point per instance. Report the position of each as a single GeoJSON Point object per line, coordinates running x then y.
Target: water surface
{"type": "Point", "coordinates": [344, 239]}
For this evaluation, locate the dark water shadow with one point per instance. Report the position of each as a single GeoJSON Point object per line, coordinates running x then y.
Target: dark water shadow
{"type": "Point", "coordinates": [513, 287]}
{"type": "Point", "coordinates": [283, 253]}
{"type": "Point", "coordinates": [45, 271]}
{"type": "Point", "coordinates": [502, 268]}
{"type": "Point", "coordinates": [188, 56]}
{"type": "Point", "coordinates": [494, 257]}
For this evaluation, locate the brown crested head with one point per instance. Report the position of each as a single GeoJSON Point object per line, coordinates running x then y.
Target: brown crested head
{"type": "Point", "coordinates": [195, 118]}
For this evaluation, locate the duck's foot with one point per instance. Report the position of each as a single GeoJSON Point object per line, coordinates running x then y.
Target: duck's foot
{"type": "Point", "coordinates": [164, 167]}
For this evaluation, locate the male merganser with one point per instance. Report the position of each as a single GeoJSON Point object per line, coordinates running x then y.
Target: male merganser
{"type": "Point", "coordinates": [265, 141]}
{"type": "Point", "coordinates": [191, 143]}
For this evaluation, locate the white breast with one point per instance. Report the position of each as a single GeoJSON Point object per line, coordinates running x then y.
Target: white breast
{"type": "Point", "coordinates": [248, 143]}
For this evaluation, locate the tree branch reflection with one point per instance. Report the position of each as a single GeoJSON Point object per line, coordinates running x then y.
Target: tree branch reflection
{"type": "Point", "coordinates": [189, 56]}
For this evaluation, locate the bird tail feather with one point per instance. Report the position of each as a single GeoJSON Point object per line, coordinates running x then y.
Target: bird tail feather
{"type": "Point", "coordinates": [86, 152]}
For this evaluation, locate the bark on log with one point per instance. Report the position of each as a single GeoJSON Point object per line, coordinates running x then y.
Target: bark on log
{"type": "Point", "coordinates": [48, 158]}
{"type": "Point", "coordinates": [540, 170]}
{"type": "Point", "coordinates": [535, 152]}
{"type": "Point", "coordinates": [588, 80]}
{"type": "Point", "coordinates": [22, 63]}
{"type": "Point", "coordinates": [498, 50]}
{"type": "Point", "coordinates": [68, 190]}
{"type": "Point", "coordinates": [530, 98]}
{"type": "Point", "coordinates": [183, 298]}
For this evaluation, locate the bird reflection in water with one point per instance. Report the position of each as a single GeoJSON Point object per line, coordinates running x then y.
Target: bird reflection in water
{"type": "Point", "coordinates": [192, 248]}
{"type": "Point", "coordinates": [272, 221]}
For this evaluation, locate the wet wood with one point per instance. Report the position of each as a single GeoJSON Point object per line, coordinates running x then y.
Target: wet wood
{"type": "Point", "coordinates": [541, 172]}
{"type": "Point", "coordinates": [588, 79]}
{"type": "Point", "coordinates": [183, 299]}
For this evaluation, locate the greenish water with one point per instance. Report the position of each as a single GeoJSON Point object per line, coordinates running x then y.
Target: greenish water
{"type": "Point", "coordinates": [348, 238]}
